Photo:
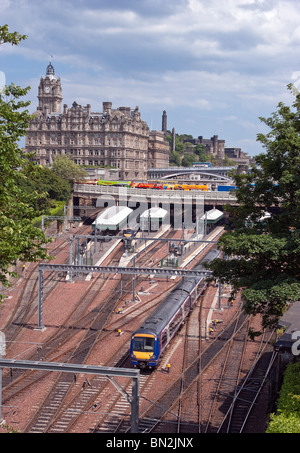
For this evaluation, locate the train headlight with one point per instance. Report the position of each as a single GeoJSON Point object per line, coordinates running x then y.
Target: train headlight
{"type": "Point", "coordinates": [133, 356]}
{"type": "Point", "coordinates": [152, 357]}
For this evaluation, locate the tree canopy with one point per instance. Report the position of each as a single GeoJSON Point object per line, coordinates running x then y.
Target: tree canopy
{"type": "Point", "coordinates": [65, 168]}
{"type": "Point", "coordinates": [265, 252]}
{"type": "Point", "coordinates": [19, 239]}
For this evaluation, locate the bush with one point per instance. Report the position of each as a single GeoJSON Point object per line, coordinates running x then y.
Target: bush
{"type": "Point", "coordinates": [287, 418]}
{"type": "Point", "coordinates": [56, 210]}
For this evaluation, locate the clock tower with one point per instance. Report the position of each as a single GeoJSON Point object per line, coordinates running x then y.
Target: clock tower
{"type": "Point", "coordinates": [50, 93]}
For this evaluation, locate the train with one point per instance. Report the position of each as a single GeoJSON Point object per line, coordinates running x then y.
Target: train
{"type": "Point", "coordinates": [226, 188]}
{"type": "Point", "coordinates": [201, 164]}
{"type": "Point", "coordinates": [159, 185]}
{"type": "Point", "coordinates": [145, 185]}
{"type": "Point", "coordinates": [101, 182]}
{"type": "Point", "coordinates": [168, 186]}
{"type": "Point", "coordinates": [151, 339]}
{"type": "Point", "coordinates": [128, 232]}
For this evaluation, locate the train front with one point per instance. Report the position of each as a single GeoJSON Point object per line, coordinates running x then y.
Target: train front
{"type": "Point", "coordinates": [144, 350]}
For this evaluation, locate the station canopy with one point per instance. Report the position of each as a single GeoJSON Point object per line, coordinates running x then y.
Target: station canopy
{"type": "Point", "coordinates": [154, 213]}
{"type": "Point", "coordinates": [212, 216]}
{"type": "Point", "coordinates": [113, 217]}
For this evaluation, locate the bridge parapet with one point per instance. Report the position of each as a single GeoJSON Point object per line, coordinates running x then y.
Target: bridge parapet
{"type": "Point", "coordinates": [171, 196]}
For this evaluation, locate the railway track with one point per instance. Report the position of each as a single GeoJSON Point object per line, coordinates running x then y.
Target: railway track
{"type": "Point", "coordinates": [63, 418]}
{"type": "Point", "coordinates": [112, 409]}
{"type": "Point", "coordinates": [179, 409]}
{"type": "Point", "coordinates": [93, 323]}
{"type": "Point", "coordinates": [115, 405]}
{"type": "Point", "coordinates": [230, 372]}
{"type": "Point", "coordinates": [167, 403]}
{"type": "Point", "coordinates": [194, 371]}
{"type": "Point", "coordinates": [245, 394]}
{"type": "Point", "coordinates": [80, 399]}
{"type": "Point", "coordinates": [62, 386]}
{"type": "Point", "coordinates": [26, 306]}
{"type": "Point", "coordinates": [92, 328]}
{"type": "Point", "coordinates": [192, 352]}
{"type": "Point", "coordinates": [80, 318]}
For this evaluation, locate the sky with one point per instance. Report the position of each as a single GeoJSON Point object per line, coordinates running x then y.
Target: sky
{"type": "Point", "coordinates": [214, 66]}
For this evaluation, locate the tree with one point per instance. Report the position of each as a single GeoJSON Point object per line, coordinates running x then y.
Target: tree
{"type": "Point", "coordinates": [64, 167]}
{"type": "Point", "coordinates": [47, 184]}
{"type": "Point", "coordinates": [200, 151]}
{"type": "Point", "coordinates": [188, 160]}
{"type": "Point", "coordinates": [19, 239]}
{"type": "Point", "coordinates": [265, 255]}
{"type": "Point", "coordinates": [175, 158]}
{"type": "Point", "coordinates": [12, 38]}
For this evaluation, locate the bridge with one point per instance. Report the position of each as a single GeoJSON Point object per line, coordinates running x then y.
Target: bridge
{"type": "Point", "coordinates": [209, 174]}
{"type": "Point", "coordinates": [92, 194]}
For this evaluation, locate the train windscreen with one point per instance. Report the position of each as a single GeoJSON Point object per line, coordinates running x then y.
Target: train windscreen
{"type": "Point", "coordinates": [143, 344]}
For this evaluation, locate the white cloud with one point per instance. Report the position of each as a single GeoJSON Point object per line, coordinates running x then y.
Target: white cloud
{"type": "Point", "coordinates": [201, 60]}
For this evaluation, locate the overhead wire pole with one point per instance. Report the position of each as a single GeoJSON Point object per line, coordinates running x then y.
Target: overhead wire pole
{"type": "Point", "coordinates": [143, 238]}
{"type": "Point", "coordinates": [108, 270]}
{"type": "Point", "coordinates": [109, 372]}
{"type": "Point", "coordinates": [86, 269]}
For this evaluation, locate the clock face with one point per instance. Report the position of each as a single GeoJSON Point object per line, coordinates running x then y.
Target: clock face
{"type": "Point", "coordinates": [47, 89]}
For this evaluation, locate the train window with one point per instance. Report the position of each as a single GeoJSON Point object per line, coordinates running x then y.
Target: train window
{"type": "Point", "coordinates": [176, 321]}
{"type": "Point", "coordinates": [143, 344]}
{"type": "Point", "coordinates": [186, 306]}
{"type": "Point", "coordinates": [201, 287]}
{"type": "Point", "coordinates": [194, 295]}
{"type": "Point", "coordinates": [164, 338]}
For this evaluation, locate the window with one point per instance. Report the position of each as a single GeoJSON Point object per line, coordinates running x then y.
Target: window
{"type": "Point", "coordinates": [144, 344]}
{"type": "Point", "coordinates": [175, 322]}
{"type": "Point", "coordinates": [164, 338]}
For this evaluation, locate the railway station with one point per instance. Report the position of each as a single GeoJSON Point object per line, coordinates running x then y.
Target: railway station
{"type": "Point", "coordinates": [98, 303]}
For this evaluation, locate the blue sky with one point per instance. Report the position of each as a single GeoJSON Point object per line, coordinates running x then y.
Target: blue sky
{"type": "Point", "coordinates": [215, 66]}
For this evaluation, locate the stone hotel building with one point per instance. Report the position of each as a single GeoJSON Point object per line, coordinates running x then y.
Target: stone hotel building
{"type": "Point", "coordinates": [117, 138]}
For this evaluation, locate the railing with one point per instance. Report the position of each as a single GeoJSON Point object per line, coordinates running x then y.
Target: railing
{"type": "Point", "coordinates": [153, 193]}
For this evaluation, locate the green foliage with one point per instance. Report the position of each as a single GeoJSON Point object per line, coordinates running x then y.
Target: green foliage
{"type": "Point", "coordinates": [56, 209]}
{"type": "Point", "coordinates": [200, 151]}
{"type": "Point", "coordinates": [12, 38]}
{"type": "Point", "coordinates": [266, 255]}
{"type": "Point", "coordinates": [47, 183]}
{"type": "Point", "coordinates": [19, 239]}
{"type": "Point", "coordinates": [287, 418]}
{"type": "Point", "coordinates": [175, 159]}
{"type": "Point", "coordinates": [188, 160]}
{"type": "Point", "coordinates": [186, 153]}
{"type": "Point", "coordinates": [66, 169]}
